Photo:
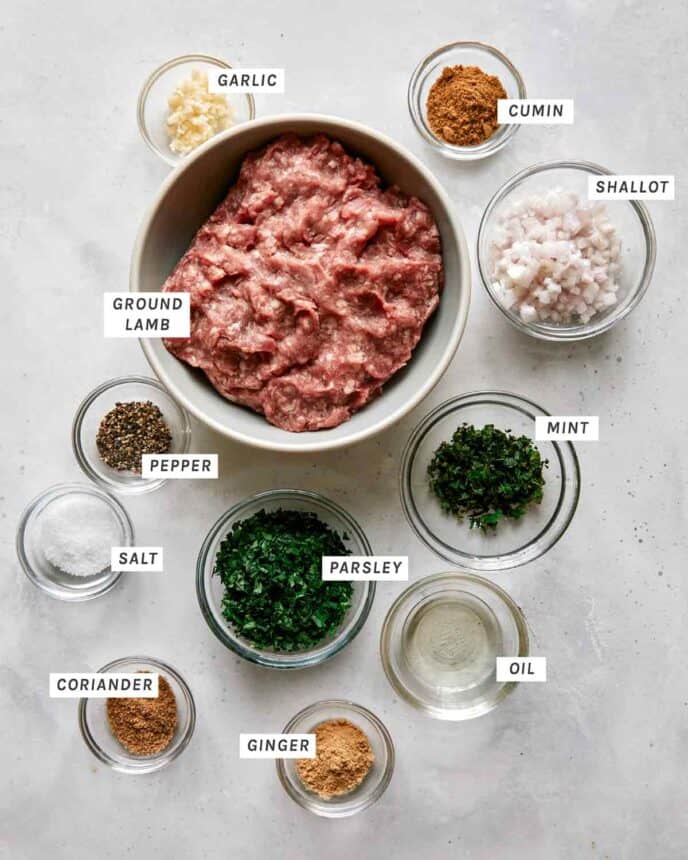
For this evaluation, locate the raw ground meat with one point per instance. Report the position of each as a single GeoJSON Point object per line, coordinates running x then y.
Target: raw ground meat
{"type": "Point", "coordinates": [310, 284]}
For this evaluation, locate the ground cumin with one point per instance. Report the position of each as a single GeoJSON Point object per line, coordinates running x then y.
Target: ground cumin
{"type": "Point", "coordinates": [144, 726]}
{"type": "Point", "coordinates": [342, 761]}
{"type": "Point", "coordinates": [462, 105]}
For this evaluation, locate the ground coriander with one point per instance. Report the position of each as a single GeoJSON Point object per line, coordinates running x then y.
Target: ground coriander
{"type": "Point", "coordinates": [144, 726]}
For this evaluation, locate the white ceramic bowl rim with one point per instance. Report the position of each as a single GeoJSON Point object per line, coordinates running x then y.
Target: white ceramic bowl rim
{"type": "Point", "coordinates": [443, 360]}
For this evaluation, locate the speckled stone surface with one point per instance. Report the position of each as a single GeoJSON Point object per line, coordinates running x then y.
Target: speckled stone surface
{"type": "Point", "coordinates": [590, 765]}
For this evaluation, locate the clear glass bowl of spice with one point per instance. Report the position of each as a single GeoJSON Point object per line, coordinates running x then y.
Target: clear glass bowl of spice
{"type": "Point", "coordinates": [118, 422]}
{"type": "Point", "coordinates": [354, 759]}
{"type": "Point", "coordinates": [479, 491]}
{"type": "Point", "coordinates": [137, 735]}
{"type": "Point", "coordinates": [559, 266]}
{"type": "Point", "coordinates": [259, 581]}
{"type": "Point", "coordinates": [452, 98]}
{"type": "Point", "coordinates": [175, 112]}
{"type": "Point", "coordinates": [64, 541]}
{"type": "Point", "coordinates": [440, 641]}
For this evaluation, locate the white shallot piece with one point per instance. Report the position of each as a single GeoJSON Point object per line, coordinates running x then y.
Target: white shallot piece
{"type": "Point", "coordinates": [555, 258]}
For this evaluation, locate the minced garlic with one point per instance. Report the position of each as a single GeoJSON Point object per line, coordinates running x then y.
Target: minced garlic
{"type": "Point", "coordinates": [195, 114]}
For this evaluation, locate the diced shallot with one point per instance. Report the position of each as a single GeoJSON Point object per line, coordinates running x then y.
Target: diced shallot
{"type": "Point", "coordinates": [555, 258]}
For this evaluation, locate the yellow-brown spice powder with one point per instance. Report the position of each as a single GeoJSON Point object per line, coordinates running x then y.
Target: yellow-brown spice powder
{"type": "Point", "coordinates": [343, 759]}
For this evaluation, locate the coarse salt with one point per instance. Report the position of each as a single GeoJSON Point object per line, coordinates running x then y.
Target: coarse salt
{"type": "Point", "coordinates": [555, 258]}
{"type": "Point", "coordinates": [77, 534]}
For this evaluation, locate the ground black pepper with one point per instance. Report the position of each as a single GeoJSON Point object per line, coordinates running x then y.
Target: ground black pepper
{"type": "Point", "coordinates": [130, 430]}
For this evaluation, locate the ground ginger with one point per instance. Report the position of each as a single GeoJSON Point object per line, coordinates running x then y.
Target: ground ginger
{"type": "Point", "coordinates": [342, 760]}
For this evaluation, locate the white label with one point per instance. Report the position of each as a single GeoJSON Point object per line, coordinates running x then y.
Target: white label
{"type": "Point", "coordinates": [146, 315]}
{"type": "Point", "coordinates": [276, 746]}
{"type": "Point", "coordinates": [136, 558]}
{"type": "Point", "coordinates": [521, 669]}
{"type": "Point", "coordinates": [103, 685]}
{"type": "Point", "coordinates": [631, 187]}
{"type": "Point", "coordinates": [179, 466]}
{"type": "Point", "coordinates": [246, 81]}
{"type": "Point", "coordinates": [535, 111]}
{"type": "Point", "coordinates": [354, 568]}
{"type": "Point", "coordinates": [567, 428]}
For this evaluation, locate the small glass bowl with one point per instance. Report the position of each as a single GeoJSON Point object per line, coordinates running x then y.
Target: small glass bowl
{"type": "Point", "coordinates": [96, 732]}
{"type": "Point", "coordinates": [630, 217]}
{"type": "Point", "coordinates": [96, 406]}
{"type": "Point", "coordinates": [152, 109]}
{"type": "Point", "coordinates": [41, 571]}
{"type": "Point", "coordinates": [376, 781]}
{"type": "Point", "coordinates": [452, 677]}
{"type": "Point", "coordinates": [210, 590]}
{"type": "Point", "coordinates": [492, 62]}
{"type": "Point", "coordinates": [514, 542]}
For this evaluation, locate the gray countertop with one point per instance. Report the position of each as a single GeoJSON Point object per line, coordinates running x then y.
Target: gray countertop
{"type": "Point", "coordinates": [590, 764]}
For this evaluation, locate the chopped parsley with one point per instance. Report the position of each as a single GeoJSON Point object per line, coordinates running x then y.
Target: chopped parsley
{"type": "Point", "coordinates": [487, 475]}
{"type": "Point", "coordinates": [270, 566]}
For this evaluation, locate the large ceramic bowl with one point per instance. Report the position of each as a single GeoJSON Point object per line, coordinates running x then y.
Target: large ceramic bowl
{"type": "Point", "coordinates": [188, 197]}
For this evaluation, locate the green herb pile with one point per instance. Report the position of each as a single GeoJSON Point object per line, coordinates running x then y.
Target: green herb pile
{"type": "Point", "coordinates": [270, 566]}
{"type": "Point", "coordinates": [486, 475]}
